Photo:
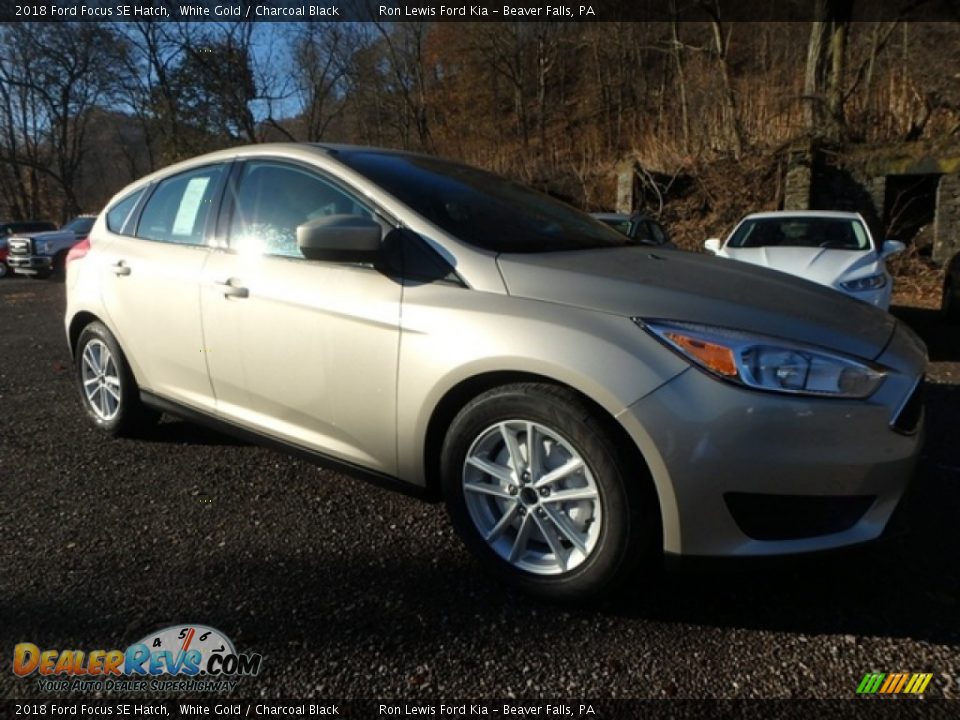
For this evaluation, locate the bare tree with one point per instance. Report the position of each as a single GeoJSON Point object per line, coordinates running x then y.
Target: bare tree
{"type": "Point", "coordinates": [323, 57]}
{"type": "Point", "coordinates": [56, 76]}
{"type": "Point", "coordinates": [403, 45]}
{"type": "Point", "coordinates": [825, 68]}
{"type": "Point", "coordinates": [676, 49]}
{"type": "Point", "coordinates": [721, 39]}
{"type": "Point", "coordinates": [153, 51]}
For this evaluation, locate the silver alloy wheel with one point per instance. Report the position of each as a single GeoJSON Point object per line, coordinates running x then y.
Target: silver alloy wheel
{"type": "Point", "coordinates": [532, 497]}
{"type": "Point", "coordinates": [101, 381]}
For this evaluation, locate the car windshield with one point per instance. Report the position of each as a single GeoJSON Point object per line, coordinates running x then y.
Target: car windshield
{"type": "Point", "coordinates": [80, 225]}
{"type": "Point", "coordinates": [481, 208]}
{"type": "Point", "coordinates": [810, 232]}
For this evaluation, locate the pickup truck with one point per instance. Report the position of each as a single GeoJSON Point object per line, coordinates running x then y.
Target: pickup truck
{"type": "Point", "coordinates": [18, 228]}
{"type": "Point", "coordinates": [43, 254]}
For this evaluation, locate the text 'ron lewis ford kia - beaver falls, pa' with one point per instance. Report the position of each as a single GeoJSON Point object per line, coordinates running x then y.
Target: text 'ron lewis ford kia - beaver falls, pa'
{"type": "Point", "coordinates": [582, 404]}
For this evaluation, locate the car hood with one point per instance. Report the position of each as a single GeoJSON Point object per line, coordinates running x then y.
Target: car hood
{"type": "Point", "coordinates": [676, 285]}
{"type": "Point", "coordinates": [820, 265]}
{"type": "Point", "coordinates": [46, 235]}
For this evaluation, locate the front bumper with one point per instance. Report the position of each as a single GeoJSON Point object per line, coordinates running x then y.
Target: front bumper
{"type": "Point", "coordinates": [748, 473]}
{"type": "Point", "coordinates": [29, 264]}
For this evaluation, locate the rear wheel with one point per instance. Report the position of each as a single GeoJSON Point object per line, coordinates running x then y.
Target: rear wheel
{"type": "Point", "coordinates": [108, 391]}
{"type": "Point", "coordinates": [4, 270]}
{"type": "Point", "coordinates": [539, 492]}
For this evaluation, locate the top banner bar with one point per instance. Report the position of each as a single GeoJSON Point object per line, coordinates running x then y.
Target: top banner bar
{"type": "Point", "coordinates": [474, 10]}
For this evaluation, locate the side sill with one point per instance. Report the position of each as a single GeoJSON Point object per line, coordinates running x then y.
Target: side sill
{"type": "Point", "coordinates": [379, 479]}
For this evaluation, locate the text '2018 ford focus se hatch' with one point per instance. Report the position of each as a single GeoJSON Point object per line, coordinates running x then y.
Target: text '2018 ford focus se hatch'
{"type": "Point", "coordinates": [582, 404]}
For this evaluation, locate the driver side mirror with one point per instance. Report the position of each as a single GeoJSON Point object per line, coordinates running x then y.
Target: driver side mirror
{"type": "Point", "coordinates": [340, 238]}
{"type": "Point", "coordinates": [891, 248]}
{"type": "Point", "coordinates": [712, 245]}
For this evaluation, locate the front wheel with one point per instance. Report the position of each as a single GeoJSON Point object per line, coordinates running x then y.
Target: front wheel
{"type": "Point", "coordinates": [539, 492]}
{"type": "Point", "coordinates": [4, 270]}
{"type": "Point", "coordinates": [108, 391]}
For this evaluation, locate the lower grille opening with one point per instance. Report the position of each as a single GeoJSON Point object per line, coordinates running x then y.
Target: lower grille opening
{"type": "Point", "coordinates": [791, 517]}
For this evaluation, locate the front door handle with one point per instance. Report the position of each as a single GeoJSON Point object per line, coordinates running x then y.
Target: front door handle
{"type": "Point", "coordinates": [231, 290]}
{"type": "Point", "coordinates": [120, 268]}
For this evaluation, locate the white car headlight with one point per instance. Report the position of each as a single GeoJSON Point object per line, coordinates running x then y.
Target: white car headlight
{"type": "Point", "coordinates": [766, 363]}
{"type": "Point", "coordinates": [871, 282]}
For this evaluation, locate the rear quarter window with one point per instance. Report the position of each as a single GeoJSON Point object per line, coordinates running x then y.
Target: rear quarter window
{"type": "Point", "coordinates": [119, 214]}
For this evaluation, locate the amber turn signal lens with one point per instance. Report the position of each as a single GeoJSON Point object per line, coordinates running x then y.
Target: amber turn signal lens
{"type": "Point", "coordinates": [715, 357]}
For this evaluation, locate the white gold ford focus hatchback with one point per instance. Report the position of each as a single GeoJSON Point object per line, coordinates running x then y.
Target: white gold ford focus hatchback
{"type": "Point", "coordinates": [581, 404]}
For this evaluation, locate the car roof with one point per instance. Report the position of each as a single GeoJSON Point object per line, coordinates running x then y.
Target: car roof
{"type": "Point", "coordinates": [288, 149]}
{"type": "Point", "coordinates": [837, 214]}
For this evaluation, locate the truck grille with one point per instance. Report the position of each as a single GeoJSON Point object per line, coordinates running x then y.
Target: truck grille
{"type": "Point", "coordinates": [20, 246]}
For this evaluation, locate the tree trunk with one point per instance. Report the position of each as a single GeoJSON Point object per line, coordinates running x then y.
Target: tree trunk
{"type": "Point", "coordinates": [731, 118]}
{"type": "Point", "coordinates": [681, 79]}
{"type": "Point", "coordinates": [825, 69]}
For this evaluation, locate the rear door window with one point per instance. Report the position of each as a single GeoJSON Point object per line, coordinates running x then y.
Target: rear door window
{"type": "Point", "coordinates": [178, 210]}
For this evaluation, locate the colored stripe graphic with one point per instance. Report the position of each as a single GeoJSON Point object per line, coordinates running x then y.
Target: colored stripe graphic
{"type": "Point", "coordinates": [923, 682]}
{"type": "Point", "coordinates": [890, 682]}
{"type": "Point", "coordinates": [870, 683]}
{"type": "Point", "coordinates": [894, 683]}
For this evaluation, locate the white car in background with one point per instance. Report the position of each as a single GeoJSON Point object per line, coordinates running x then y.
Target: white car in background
{"type": "Point", "coordinates": [831, 248]}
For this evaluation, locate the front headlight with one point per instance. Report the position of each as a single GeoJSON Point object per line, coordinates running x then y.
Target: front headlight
{"type": "Point", "coordinates": [766, 363]}
{"type": "Point", "coordinates": [871, 282]}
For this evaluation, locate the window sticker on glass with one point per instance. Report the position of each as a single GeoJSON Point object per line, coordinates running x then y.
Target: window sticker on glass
{"type": "Point", "coordinates": [189, 205]}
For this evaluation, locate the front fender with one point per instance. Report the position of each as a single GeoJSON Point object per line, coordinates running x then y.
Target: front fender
{"type": "Point", "coordinates": [450, 335]}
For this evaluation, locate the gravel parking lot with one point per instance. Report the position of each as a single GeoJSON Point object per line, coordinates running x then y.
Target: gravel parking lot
{"type": "Point", "coordinates": [352, 591]}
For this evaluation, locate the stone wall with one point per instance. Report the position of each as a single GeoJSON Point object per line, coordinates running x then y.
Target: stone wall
{"type": "Point", "coordinates": [946, 233]}
{"type": "Point", "coordinates": [797, 184]}
{"type": "Point", "coordinates": [626, 186]}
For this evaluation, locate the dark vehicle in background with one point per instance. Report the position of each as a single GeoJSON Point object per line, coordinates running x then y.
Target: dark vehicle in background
{"type": "Point", "coordinates": [950, 304]}
{"type": "Point", "coordinates": [639, 228]}
{"type": "Point", "coordinates": [15, 228]}
{"type": "Point", "coordinates": [42, 254]}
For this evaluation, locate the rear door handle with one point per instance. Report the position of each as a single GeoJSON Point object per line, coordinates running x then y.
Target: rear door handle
{"type": "Point", "coordinates": [231, 290]}
{"type": "Point", "coordinates": [120, 268]}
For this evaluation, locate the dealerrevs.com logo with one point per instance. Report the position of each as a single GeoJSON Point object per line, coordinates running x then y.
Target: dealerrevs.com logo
{"type": "Point", "coordinates": [179, 658]}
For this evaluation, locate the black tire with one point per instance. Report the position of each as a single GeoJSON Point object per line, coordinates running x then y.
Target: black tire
{"type": "Point", "coordinates": [131, 416]}
{"type": "Point", "coordinates": [950, 305]}
{"type": "Point", "coordinates": [5, 270]}
{"type": "Point", "coordinates": [630, 527]}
